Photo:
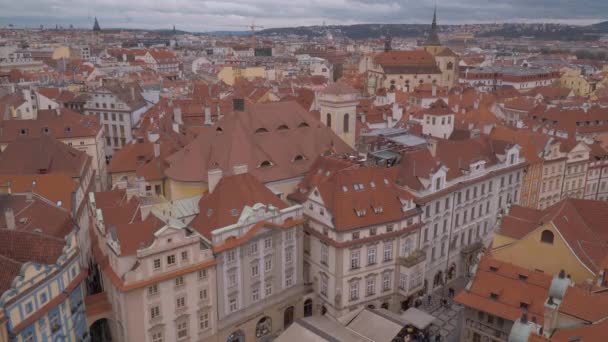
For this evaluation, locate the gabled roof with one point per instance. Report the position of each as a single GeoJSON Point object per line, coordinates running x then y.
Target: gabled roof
{"type": "Point", "coordinates": [58, 123]}
{"type": "Point", "coordinates": [362, 197]}
{"type": "Point", "coordinates": [224, 205]}
{"type": "Point", "coordinates": [35, 213]}
{"type": "Point", "coordinates": [500, 288]}
{"type": "Point", "coordinates": [320, 171]}
{"type": "Point", "coordinates": [53, 186]}
{"type": "Point", "coordinates": [27, 155]}
{"type": "Point", "coordinates": [582, 223]}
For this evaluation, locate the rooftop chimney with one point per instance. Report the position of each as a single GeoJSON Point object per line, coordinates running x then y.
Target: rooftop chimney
{"type": "Point", "coordinates": [9, 215]}
{"type": "Point", "coordinates": [213, 178]}
{"type": "Point", "coordinates": [177, 116]}
{"type": "Point", "coordinates": [157, 149]}
{"type": "Point", "coordinates": [239, 169]}
{"type": "Point", "coordinates": [208, 115]}
{"type": "Point", "coordinates": [238, 105]}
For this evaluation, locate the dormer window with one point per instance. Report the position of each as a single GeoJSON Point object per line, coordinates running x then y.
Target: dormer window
{"type": "Point", "coordinates": [494, 296]}
{"type": "Point", "coordinates": [303, 124]}
{"type": "Point", "coordinates": [378, 210]}
{"type": "Point", "coordinates": [372, 184]}
{"type": "Point", "coordinates": [265, 164]}
{"type": "Point", "coordinates": [385, 181]}
{"type": "Point", "coordinates": [209, 212]}
{"type": "Point", "coordinates": [261, 130]}
{"type": "Point", "coordinates": [68, 129]}
{"type": "Point", "coordinates": [299, 157]}
{"type": "Point", "coordinates": [283, 128]}
{"type": "Point", "coordinates": [344, 188]}
{"type": "Point", "coordinates": [360, 212]}
{"type": "Point", "coordinates": [23, 131]}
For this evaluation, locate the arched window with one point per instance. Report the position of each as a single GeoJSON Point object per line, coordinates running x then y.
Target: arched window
{"type": "Point", "coordinates": [264, 327]}
{"type": "Point", "coordinates": [308, 308]}
{"type": "Point", "coordinates": [346, 123]}
{"type": "Point", "coordinates": [450, 66]}
{"type": "Point", "coordinates": [266, 163]}
{"type": "Point", "coordinates": [328, 121]}
{"type": "Point", "coordinates": [547, 237]}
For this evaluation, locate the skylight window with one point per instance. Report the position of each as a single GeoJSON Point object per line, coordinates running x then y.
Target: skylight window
{"type": "Point", "coordinates": [344, 188]}
{"type": "Point", "coordinates": [372, 184]}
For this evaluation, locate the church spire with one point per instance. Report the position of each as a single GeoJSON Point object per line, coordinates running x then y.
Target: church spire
{"type": "Point", "coordinates": [433, 37]}
{"type": "Point", "coordinates": [96, 25]}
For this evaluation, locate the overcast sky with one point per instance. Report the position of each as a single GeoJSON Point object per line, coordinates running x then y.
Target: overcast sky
{"type": "Point", "coordinates": [206, 15]}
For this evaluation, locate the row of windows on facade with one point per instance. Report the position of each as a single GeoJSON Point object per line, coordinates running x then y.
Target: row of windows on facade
{"type": "Point", "coordinates": [431, 120]}
{"type": "Point", "coordinates": [467, 196]}
{"type": "Point", "coordinates": [104, 105]}
{"type": "Point", "coordinates": [182, 328]}
{"type": "Point", "coordinates": [387, 277]}
{"type": "Point", "coordinates": [233, 304]}
{"type": "Point", "coordinates": [110, 116]}
{"type": "Point", "coordinates": [255, 268]}
{"type": "Point", "coordinates": [406, 249]}
{"type": "Point", "coordinates": [180, 282]}
{"type": "Point", "coordinates": [253, 247]}
{"type": "Point", "coordinates": [171, 260]}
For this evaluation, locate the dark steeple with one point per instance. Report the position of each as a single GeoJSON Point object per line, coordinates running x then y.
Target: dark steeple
{"type": "Point", "coordinates": [387, 41]}
{"type": "Point", "coordinates": [433, 38]}
{"type": "Point", "coordinates": [96, 25]}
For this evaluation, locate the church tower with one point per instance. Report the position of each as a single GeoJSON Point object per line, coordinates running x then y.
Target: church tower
{"type": "Point", "coordinates": [432, 44]}
{"type": "Point", "coordinates": [338, 106]}
{"type": "Point", "coordinates": [96, 27]}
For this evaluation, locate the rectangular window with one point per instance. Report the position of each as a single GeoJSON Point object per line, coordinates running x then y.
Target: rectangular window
{"type": "Point", "coordinates": [179, 281]}
{"type": "Point", "coordinates": [204, 321]}
{"type": "Point", "coordinates": [268, 243]}
{"type": "Point", "coordinates": [388, 251]}
{"type": "Point", "coordinates": [154, 312]}
{"type": "Point", "coordinates": [153, 290]}
{"type": "Point", "coordinates": [255, 294]}
{"type": "Point", "coordinates": [323, 286]}
{"type": "Point", "coordinates": [288, 255]}
{"type": "Point", "coordinates": [324, 254]}
{"type": "Point", "coordinates": [253, 248]}
{"type": "Point", "coordinates": [268, 264]}
{"type": "Point", "coordinates": [182, 329]}
{"type": "Point", "coordinates": [403, 281]}
{"type": "Point", "coordinates": [386, 281]}
{"type": "Point", "coordinates": [354, 259]}
{"type": "Point", "coordinates": [354, 290]}
{"type": "Point", "coordinates": [232, 305]}
{"type": "Point", "coordinates": [371, 286]}
{"type": "Point", "coordinates": [180, 302]}
{"type": "Point", "coordinates": [268, 289]}
{"type": "Point", "coordinates": [231, 256]}
{"type": "Point", "coordinates": [255, 270]}
{"type": "Point", "coordinates": [288, 278]}
{"type": "Point", "coordinates": [371, 255]}
{"type": "Point", "coordinates": [232, 279]}
{"type": "Point", "coordinates": [185, 256]}
{"type": "Point", "coordinates": [202, 294]}
{"type": "Point", "coordinates": [202, 274]}
{"type": "Point", "coordinates": [171, 260]}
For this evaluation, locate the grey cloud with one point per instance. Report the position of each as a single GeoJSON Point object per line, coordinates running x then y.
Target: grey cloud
{"type": "Point", "coordinates": [202, 15]}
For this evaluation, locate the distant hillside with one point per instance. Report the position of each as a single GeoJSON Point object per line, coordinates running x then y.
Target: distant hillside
{"type": "Point", "coordinates": [364, 31]}
{"type": "Point", "coordinates": [360, 31]}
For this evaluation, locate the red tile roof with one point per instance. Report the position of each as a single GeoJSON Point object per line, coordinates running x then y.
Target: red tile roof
{"type": "Point", "coordinates": [498, 289]}
{"type": "Point", "coordinates": [280, 133]}
{"type": "Point", "coordinates": [224, 205]}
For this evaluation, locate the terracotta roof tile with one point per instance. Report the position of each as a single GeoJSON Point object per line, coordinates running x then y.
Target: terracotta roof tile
{"type": "Point", "coordinates": [500, 288]}
{"type": "Point", "coordinates": [224, 205]}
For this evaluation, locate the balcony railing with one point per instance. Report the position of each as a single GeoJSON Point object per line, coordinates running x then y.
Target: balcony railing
{"type": "Point", "coordinates": [413, 259]}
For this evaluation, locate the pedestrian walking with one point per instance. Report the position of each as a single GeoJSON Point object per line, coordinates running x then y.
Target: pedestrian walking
{"type": "Point", "coordinates": [428, 299]}
{"type": "Point", "coordinates": [438, 338]}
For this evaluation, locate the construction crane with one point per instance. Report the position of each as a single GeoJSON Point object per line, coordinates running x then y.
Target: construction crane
{"type": "Point", "coordinates": [252, 27]}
